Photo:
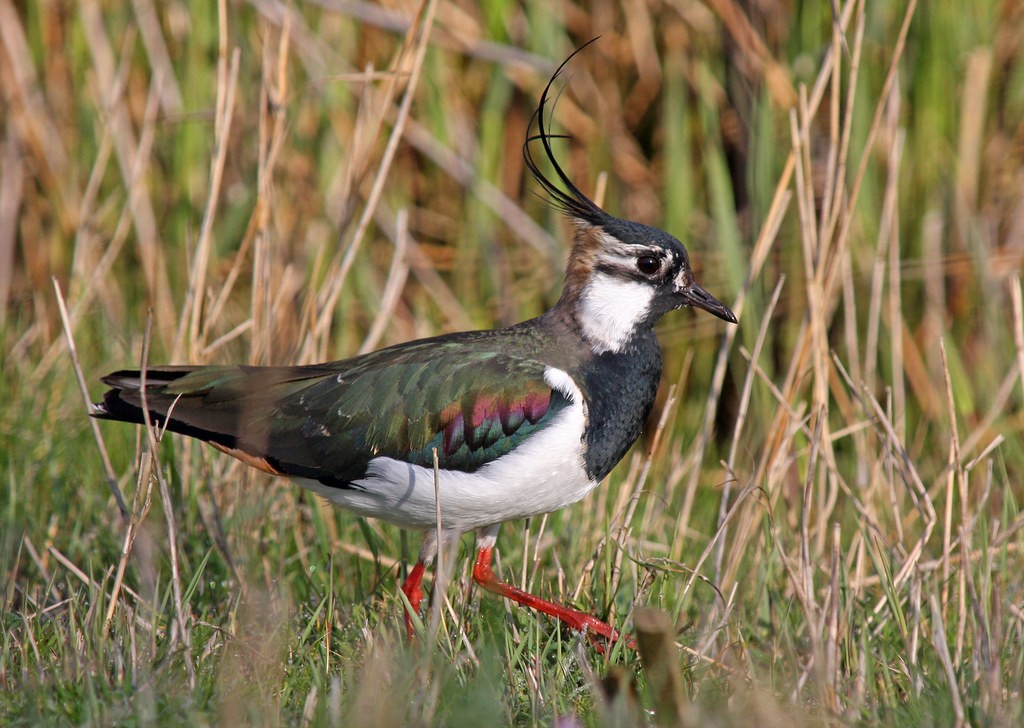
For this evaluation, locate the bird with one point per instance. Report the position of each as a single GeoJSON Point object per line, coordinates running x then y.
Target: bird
{"type": "Point", "coordinates": [522, 420]}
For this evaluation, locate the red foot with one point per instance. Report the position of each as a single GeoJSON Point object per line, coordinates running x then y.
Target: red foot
{"type": "Point", "coordinates": [591, 626]}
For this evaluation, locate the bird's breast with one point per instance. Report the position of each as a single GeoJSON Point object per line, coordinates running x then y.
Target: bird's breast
{"type": "Point", "coordinates": [621, 388]}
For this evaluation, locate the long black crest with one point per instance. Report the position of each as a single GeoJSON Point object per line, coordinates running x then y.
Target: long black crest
{"type": "Point", "coordinates": [569, 200]}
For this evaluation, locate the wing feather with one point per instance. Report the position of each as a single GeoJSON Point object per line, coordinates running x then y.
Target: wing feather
{"type": "Point", "coordinates": [327, 421]}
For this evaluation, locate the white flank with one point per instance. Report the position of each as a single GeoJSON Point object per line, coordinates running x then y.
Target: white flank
{"type": "Point", "coordinates": [610, 309]}
{"type": "Point", "coordinates": [543, 474]}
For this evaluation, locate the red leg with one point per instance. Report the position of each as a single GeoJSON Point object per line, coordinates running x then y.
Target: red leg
{"type": "Point", "coordinates": [579, 621]}
{"type": "Point", "coordinates": [413, 590]}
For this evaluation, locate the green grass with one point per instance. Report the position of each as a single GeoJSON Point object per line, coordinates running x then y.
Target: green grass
{"type": "Point", "coordinates": [830, 513]}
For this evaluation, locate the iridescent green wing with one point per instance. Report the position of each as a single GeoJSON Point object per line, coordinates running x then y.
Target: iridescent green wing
{"type": "Point", "coordinates": [326, 422]}
{"type": "Point", "coordinates": [471, 406]}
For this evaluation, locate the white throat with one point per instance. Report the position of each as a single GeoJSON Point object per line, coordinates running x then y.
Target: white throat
{"type": "Point", "coordinates": [610, 310]}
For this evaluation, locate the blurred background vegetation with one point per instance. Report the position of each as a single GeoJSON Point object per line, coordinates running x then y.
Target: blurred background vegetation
{"type": "Point", "coordinates": [825, 504]}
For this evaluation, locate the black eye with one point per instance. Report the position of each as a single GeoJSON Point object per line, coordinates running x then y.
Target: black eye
{"type": "Point", "coordinates": [648, 265]}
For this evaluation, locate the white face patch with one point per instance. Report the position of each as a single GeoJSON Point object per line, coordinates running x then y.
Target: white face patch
{"type": "Point", "coordinates": [610, 309]}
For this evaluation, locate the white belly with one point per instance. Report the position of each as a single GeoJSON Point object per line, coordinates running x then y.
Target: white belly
{"type": "Point", "coordinates": [543, 474]}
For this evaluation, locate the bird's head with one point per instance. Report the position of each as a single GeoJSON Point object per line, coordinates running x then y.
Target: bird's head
{"type": "Point", "coordinates": [621, 275]}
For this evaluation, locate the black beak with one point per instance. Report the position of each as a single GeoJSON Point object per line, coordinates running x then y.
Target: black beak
{"type": "Point", "coordinates": [694, 295]}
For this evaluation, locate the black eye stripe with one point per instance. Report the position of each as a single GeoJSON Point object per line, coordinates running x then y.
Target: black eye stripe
{"type": "Point", "coordinates": [646, 264]}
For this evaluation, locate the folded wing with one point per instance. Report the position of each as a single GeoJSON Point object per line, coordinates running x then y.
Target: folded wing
{"type": "Point", "coordinates": [327, 421]}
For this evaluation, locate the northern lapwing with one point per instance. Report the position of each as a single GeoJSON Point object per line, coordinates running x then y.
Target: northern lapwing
{"type": "Point", "coordinates": [524, 420]}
